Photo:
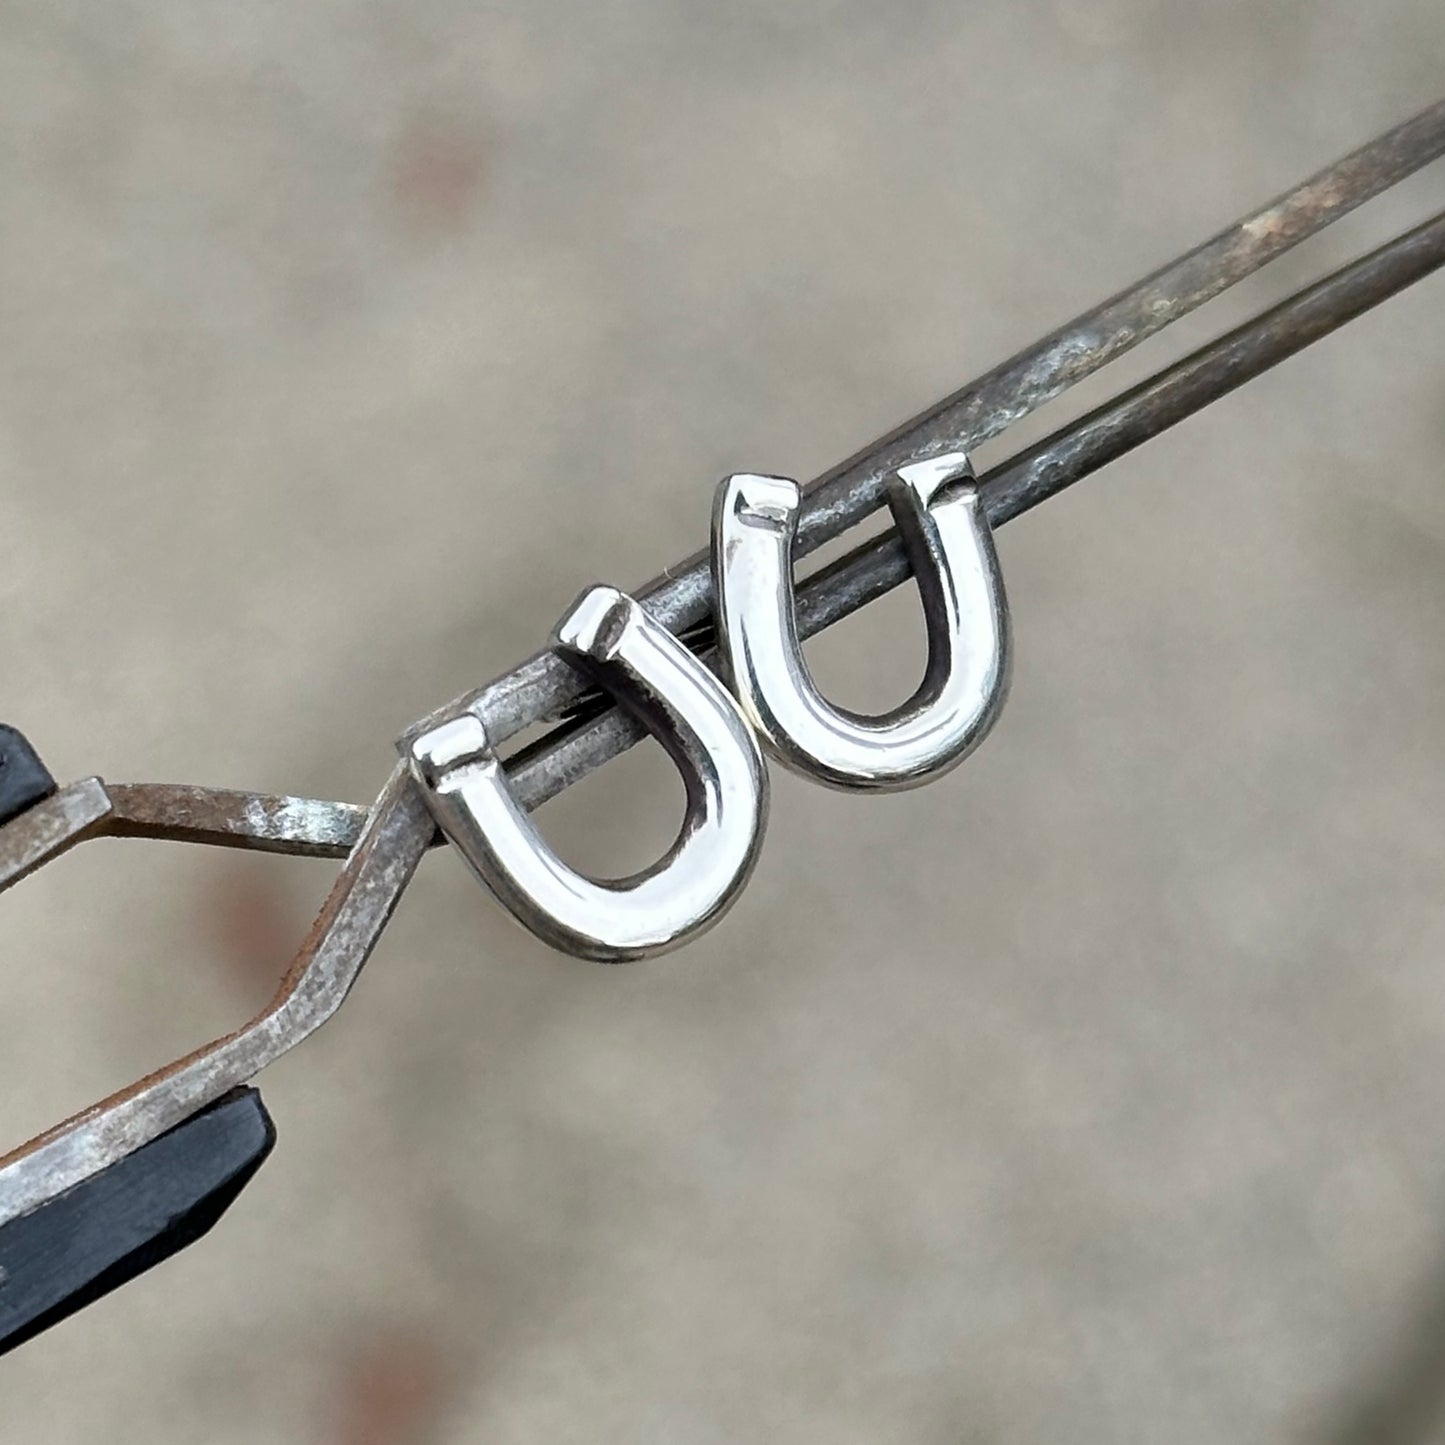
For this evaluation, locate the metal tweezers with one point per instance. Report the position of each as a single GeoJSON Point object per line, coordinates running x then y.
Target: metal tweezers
{"type": "Point", "coordinates": [108, 1192]}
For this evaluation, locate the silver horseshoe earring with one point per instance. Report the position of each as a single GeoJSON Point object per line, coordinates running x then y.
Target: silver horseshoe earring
{"type": "Point", "coordinates": [608, 635]}
{"type": "Point", "coordinates": [937, 510]}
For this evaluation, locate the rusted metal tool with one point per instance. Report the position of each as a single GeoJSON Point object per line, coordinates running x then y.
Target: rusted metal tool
{"type": "Point", "coordinates": [46, 1183]}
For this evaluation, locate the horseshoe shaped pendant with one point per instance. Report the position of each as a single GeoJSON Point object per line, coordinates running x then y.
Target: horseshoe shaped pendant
{"type": "Point", "coordinates": [938, 513]}
{"type": "Point", "coordinates": [607, 634]}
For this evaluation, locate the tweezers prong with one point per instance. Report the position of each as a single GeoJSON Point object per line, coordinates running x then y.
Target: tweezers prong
{"type": "Point", "coordinates": [397, 832]}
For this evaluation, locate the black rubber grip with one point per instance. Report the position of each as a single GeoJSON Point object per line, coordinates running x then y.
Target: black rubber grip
{"type": "Point", "coordinates": [24, 779]}
{"type": "Point", "coordinates": [141, 1210]}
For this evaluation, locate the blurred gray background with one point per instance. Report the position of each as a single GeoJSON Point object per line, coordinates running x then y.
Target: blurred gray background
{"type": "Point", "coordinates": [1095, 1094]}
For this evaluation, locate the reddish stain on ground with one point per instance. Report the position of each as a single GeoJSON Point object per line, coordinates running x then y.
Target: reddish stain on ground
{"type": "Point", "coordinates": [253, 927]}
{"type": "Point", "coordinates": [437, 175]}
{"type": "Point", "coordinates": [389, 1391]}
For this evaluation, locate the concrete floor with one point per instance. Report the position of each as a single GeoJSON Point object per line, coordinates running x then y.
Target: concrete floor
{"type": "Point", "coordinates": [1096, 1094]}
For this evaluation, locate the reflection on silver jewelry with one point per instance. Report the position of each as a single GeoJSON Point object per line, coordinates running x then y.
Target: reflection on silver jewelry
{"type": "Point", "coordinates": [937, 511]}
{"type": "Point", "coordinates": [607, 634]}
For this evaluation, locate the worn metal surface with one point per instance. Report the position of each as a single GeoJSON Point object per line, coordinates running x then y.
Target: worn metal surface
{"type": "Point", "coordinates": [397, 833]}
{"type": "Point", "coordinates": [178, 813]}
{"type": "Point", "coordinates": [306, 827]}
{"type": "Point", "coordinates": [51, 827]}
{"type": "Point", "coordinates": [1144, 411]}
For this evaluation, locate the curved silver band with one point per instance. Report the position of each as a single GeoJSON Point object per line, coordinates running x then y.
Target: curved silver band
{"type": "Point", "coordinates": [692, 715]}
{"type": "Point", "coordinates": [937, 511]}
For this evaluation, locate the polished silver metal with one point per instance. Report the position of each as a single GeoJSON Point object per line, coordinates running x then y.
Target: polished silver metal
{"type": "Point", "coordinates": [946, 533]}
{"type": "Point", "coordinates": [607, 634]}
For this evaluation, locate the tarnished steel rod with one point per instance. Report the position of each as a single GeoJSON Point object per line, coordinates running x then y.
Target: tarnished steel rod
{"type": "Point", "coordinates": [1042, 471]}
{"type": "Point", "coordinates": [396, 833]}
{"type": "Point", "coordinates": [222, 817]}
{"type": "Point", "coordinates": [1120, 425]}
{"type": "Point", "coordinates": [178, 812]}
{"type": "Point", "coordinates": [543, 687]}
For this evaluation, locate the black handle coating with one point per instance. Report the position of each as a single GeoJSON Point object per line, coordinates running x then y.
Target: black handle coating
{"type": "Point", "coordinates": [142, 1209]}
{"type": "Point", "coordinates": [24, 779]}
